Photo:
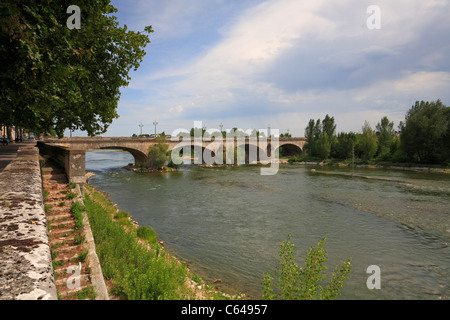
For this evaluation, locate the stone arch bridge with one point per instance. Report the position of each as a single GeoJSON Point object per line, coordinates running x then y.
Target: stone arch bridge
{"type": "Point", "coordinates": [254, 149]}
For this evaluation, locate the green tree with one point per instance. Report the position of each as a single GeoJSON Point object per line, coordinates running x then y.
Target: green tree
{"type": "Point", "coordinates": [366, 143]}
{"type": "Point", "coordinates": [309, 135]}
{"type": "Point", "coordinates": [323, 146]}
{"type": "Point", "coordinates": [329, 127]}
{"type": "Point", "coordinates": [157, 154]}
{"type": "Point", "coordinates": [344, 145]}
{"type": "Point", "coordinates": [385, 132]}
{"type": "Point", "coordinates": [294, 282]}
{"type": "Point", "coordinates": [53, 78]}
{"type": "Point", "coordinates": [425, 133]}
{"type": "Point", "coordinates": [314, 134]}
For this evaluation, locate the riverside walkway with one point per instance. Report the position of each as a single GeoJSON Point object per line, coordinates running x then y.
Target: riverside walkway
{"type": "Point", "coordinates": [9, 152]}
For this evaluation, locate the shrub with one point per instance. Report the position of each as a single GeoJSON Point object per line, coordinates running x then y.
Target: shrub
{"type": "Point", "coordinates": [157, 154]}
{"type": "Point", "coordinates": [147, 233]}
{"type": "Point", "coordinates": [121, 214]}
{"type": "Point", "coordinates": [297, 283]}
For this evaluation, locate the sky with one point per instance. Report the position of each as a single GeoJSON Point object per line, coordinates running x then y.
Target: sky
{"type": "Point", "coordinates": [279, 63]}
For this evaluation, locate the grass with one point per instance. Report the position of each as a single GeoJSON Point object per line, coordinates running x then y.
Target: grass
{"type": "Point", "coordinates": [147, 233]}
{"type": "Point", "coordinates": [70, 196]}
{"type": "Point", "coordinates": [77, 213]}
{"type": "Point", "coordinates": [123, 218]}
{"type": "Point", "coordinates": [71, 185]}
{"type": "Point", "coordinates": [82, 256]}
{"type": "Point", "coordinates": [136, 272]}
{"type": "Point", "coordinates": [86, 293]}
{"type": "Point", "coordinates": [79, 239]}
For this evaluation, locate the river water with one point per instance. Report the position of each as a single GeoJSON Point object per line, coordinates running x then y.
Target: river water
{"type": "Point", "coordinates": [228, 223]}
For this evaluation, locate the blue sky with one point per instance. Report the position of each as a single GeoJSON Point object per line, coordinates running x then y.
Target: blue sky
{"type": "Point", "coordinates": [279, 63]}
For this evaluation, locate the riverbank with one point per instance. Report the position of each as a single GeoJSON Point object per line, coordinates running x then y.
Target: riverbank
{"type": "Point", "coordinates": [121, 243]}
{"type": "Point", "coordinates": [144, 169]}
{"type": "Point", "coordinates": [404, 167]}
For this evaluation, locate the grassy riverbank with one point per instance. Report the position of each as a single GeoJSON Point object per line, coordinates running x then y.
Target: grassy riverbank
{"type": "Point", "coordinates": [373, 164]}
{"type": "Point", "coordinates": [135, 265]}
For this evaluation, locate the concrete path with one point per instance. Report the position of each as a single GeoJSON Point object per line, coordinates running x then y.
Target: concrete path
{"type": "Point", "coordinates": [9, 152]}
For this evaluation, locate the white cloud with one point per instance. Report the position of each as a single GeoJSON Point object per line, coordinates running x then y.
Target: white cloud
{"type": "Point", "coordinates": [286, 61]}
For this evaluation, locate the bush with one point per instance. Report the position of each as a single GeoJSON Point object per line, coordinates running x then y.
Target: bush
{"type": "Point", "coordinates": [122, 214]}
{"type": "Point", "coordinates": [157, 154]}
{"type": "Point", "coordinates": [147, 233]}
{"type": "Point", "coordinates": [294, 159]}
{"type": "Point", "coordinates": [297, 283]}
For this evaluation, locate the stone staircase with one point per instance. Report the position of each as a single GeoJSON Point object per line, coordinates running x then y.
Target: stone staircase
{"type": "Point", "coordinates": [67, 241]}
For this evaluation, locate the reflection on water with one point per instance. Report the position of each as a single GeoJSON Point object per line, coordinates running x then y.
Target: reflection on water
{"type": "Point", "coordinates": [228, 223]}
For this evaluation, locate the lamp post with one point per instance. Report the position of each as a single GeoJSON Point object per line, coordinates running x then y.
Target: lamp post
{"type": "Point", "coordinates": [141, 125]}
{"type": "Point", "coordinates": [155, 123]}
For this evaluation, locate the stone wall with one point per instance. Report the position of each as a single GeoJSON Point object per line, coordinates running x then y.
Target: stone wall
{"type": "Point", "coordinates": [73, 161]}
{"type": "Point", "coordinates": [26, 271]}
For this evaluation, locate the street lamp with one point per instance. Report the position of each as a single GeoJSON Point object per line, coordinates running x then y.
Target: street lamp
{"type": "Point", "coordinates": [155, 123]}
{"type": "Point", "coordinates": [141, 125]}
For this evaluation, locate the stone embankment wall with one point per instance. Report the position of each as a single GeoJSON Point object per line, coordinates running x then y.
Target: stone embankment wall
{"type": "Point", "coordinates": [73, 161]}
{"type": "Point", "coordinates": [26, 271]}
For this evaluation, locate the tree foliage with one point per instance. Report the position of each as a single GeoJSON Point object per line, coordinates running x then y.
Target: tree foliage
{"type": "Point", "coordinates": [385, 132]}
{"type": "Point", "coordinates": [294, 282]}
{"type": "Point", "coordinates": [320, 137]}
{"type": "Point", "coordinates": [344, 146]}
{"type": "Point", "coordinates": [424, 138]}
{"type": "Point", "coordinates": [157, 154]}
{"type": "Point", "coordinates": [366, 143]}
{"type": "Point", "coordinates": [323, 146]}
{"type": "Point", "coordinates": [426, 132]}
{"type": "Point", "coordinates": [52, 77]}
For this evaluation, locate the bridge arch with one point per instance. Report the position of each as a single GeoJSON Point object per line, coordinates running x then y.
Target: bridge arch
{"type": "Point", "coordinates": [289, 149]}
{"type": "Point", "coordinates": [139, 156]}
{"type": "Point", "coordinates": [195, 152]}
{"type": "Point", "coordinates": [252, 152]}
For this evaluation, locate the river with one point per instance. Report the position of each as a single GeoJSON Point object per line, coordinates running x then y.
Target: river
{"type": "Point", "coordinates": [228, 223]}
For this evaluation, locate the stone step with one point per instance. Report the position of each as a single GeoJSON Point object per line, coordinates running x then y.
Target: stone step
{"type": "Point", "coordinates": [65, 248]}
{"type": "Point", "coordinates": [69, 223]}
{"type": "Point", "coordinates": [62, 280]}
{"type": "Point", "coordinates": [67, 257]}
{"type": "Point", "coordinates": [58, 217]}
{"type": "Point", "coordinates": [54, 232]}
{"type": "Point", "coordinates": [54, 175]}
{"type": "Point", "coordinates": [56, 207]}
{"type": "Point", "coordinates": [54, 187]}
{"type": "Point", "coordinates": [61, 190]}
{"type": "Point", "coordinates": [52, 170]}
{"type": "Point", "coordinates": [65, 293]}
{"type": "Point", "coordinates": [50, 181]}
{"type": "Point", "coordinates": [68, 239]}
